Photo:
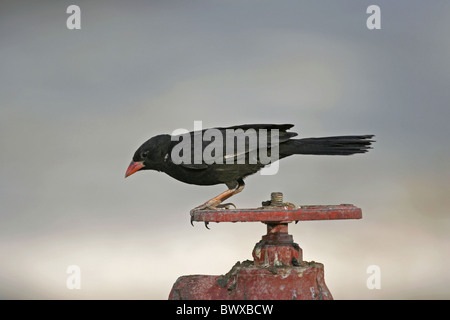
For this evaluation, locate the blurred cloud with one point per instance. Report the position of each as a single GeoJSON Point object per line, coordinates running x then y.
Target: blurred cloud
{"type": "Point", "coordinates": [74, 106]}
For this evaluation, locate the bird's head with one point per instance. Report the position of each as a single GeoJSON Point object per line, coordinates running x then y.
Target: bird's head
{"type": "Point", "coordinates": [150, 155]}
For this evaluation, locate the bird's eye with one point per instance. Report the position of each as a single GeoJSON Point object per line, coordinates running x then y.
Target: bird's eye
{"type": "Point", "coordinates": [144, 154]}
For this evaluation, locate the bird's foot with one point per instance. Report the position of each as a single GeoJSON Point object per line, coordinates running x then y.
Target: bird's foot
{"type": "Point", "coordinates": [192, 219]}
{"type": "Point", "coordinates": [213, 206]}
{"type": "Point", "coordinates": [205, 206]}
{"type": "Point", "coordinates": [210, 205]}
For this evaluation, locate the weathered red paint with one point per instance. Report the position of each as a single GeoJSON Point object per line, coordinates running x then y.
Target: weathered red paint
{"type": "Point", "coordinates": [276, 248]}
{"type": "Point", "coordinates": [303, 213]}
{"type": "Point", "coordinates": [248, 282]}
{"type": "Point", "coordinates": [278, 271]}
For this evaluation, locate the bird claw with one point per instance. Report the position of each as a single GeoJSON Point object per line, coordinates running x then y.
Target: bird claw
{"type": "Point", "coordinates": [213, 206]}
{"type": "Point", "coordinates": [226, 206]}
{"type": "Point", "coordinates": [192, 221]}
{"type": "Point", "coordinates": [208, 206]}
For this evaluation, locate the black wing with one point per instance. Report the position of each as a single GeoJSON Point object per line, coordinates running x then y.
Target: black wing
{"type": "Point", "coordinates": [236, 144]}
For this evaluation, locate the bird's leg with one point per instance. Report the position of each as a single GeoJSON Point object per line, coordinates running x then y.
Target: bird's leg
{"type": "Point", "coordinates": [215, 202]}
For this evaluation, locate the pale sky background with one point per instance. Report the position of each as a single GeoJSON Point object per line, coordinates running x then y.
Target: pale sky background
{"type": "Point", "coordinates": [75, 105]}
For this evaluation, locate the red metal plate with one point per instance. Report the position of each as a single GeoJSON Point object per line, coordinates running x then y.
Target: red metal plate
{"type": "Point", "coordinates": [282, 214]}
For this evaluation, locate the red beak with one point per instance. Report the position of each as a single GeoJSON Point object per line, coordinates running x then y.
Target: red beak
{"type": "Point", "coordinates": [134, 167]}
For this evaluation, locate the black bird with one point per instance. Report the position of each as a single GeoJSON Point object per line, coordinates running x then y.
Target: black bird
{"type": "Point", "coordinates": [158, 153]}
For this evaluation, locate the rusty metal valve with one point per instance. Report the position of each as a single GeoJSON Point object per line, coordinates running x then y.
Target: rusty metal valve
{"type": "Point", "coordinates": [277, 270]}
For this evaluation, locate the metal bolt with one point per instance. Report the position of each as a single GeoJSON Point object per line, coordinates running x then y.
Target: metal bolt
{"type": "Point", "coordinates": [276, 198]}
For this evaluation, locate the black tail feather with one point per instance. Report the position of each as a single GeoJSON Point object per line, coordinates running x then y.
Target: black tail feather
{"type": "Point", "coordinates": [339, 145]}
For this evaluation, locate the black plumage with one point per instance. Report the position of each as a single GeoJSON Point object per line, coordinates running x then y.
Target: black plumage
{"type": "Point", "coordinates": [158, 153]}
